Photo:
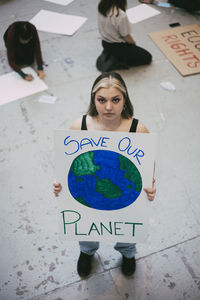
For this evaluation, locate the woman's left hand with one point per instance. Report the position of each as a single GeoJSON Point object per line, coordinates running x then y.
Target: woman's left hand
{"type": "Point", "coordinates": [151, 192]}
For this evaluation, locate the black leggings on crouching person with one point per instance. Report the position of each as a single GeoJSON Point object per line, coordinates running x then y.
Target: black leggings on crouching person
{"type": "Point", "coordinates": [129, 54]}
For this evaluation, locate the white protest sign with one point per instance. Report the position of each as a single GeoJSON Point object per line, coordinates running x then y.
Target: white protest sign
{"type": "Point", "coordinates": [103, 175]}
{"type": "Point", "coordinates": [61, 2]}
{"type": "Point", "coordinates": [13, 87]}
{"type": "Point", "coordinates": [141, 12]}
{"type": "Point", "coordinates": [50, 21]}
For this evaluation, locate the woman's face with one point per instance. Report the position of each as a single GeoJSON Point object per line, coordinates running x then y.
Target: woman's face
{"type": "Point", "coordinates": [109, 103]}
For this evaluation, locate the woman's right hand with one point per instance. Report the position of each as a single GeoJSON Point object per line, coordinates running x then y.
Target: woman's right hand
{"type": "Point", "coordinates": [57, 187]}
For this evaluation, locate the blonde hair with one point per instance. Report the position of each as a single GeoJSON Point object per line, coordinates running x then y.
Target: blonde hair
{"type": "Point", "coordinates": [108, 82]}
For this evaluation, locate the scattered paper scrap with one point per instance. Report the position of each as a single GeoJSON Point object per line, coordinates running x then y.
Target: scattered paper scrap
{"type": "Point", "coordinates": [50, 21]}
{"type": "Point", "coordinates": [47, 99]}
{"type": "Point", "coordinates": [69, 61]}
{"type": "Point", "coordinates": [141, 12]}
{"type": "Point", "coordinates": [162, 116]}
{"type": "Point", "coordinates": [167, 85]}
{"type": "Point", "coordinates": [163, 4]}
{"type": "Point", "coordinates": [61, 2]}
{"type": "Point", "coordinates": [13, 87]}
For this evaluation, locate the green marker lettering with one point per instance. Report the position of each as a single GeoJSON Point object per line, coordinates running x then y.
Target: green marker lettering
{"type": "Point", "coordinates": [64, 212]}
{"type": "Point", "coordinates": [117, 228]}
{"type": "Point", "coordinates": [133, 226]}
{"type": "Point", "coordinates": [95, 228]}
{"type": "Point", "coordinates": [103, 226]}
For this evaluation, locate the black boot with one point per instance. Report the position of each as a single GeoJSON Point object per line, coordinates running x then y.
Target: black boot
{"type": "Point", "coordinates": [84, 264]}
{"type": "Point", "coordinates": [107, 63]}
{"type": "Point", "coordinates": [128, 265]}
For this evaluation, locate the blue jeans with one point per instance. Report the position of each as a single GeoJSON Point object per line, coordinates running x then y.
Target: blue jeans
{"type": "Point", "coordinates": [126, 249]}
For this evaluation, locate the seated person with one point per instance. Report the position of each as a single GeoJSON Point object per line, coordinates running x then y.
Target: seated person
{"type": "Point", "coordinates": [23, 48]}
{"type": "Point", "coordinates": [120, 49]}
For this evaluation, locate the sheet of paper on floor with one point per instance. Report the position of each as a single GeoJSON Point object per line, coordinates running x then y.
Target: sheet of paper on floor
{"type": "Point", "coordinates": [47, 99]}
{"type": "Point", "coordinates": [13, 87]}
{"type": "Point", "coordinates": [61, 2]}
{"type": "Point", "coordinates": [141, 12]}
{"type": "Point", "coordinates": [50, 21]}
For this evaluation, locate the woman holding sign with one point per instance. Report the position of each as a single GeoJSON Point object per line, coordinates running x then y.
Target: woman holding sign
{"type": "Point", "coordinates": [110, 109]}
{"type": "Point", "coordinates": [120, 49]}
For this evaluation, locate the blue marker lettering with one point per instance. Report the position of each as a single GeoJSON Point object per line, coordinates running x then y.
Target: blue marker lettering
{"type": "Point", "coordinates": [85, 142]}
{"type": "Point", "coordinates": [130, 153]}
{"type": "Point", "coordinates": [119, 145]}
{"type": "Point", "coordinates": [139, 155]}
{"type": "Point", "coordinates": [103, 141]}
{"type": "Point", "coordinates": [96, 144]}
{"type": "Point", "coordinates": [68, 143]}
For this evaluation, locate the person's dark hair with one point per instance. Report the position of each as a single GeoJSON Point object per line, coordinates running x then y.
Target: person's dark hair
{"type": "Point", "coordinates": [24, 30]}
{"type": "Point", "coordinates": [106, 80]}
{"type": "Point", "coordinates": [105, 6]}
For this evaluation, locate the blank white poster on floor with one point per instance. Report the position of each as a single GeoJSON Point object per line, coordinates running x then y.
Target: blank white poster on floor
{"type": "Point", "coordinates": [13, 87]}
{"type": "Point", "coordinates": [61, 2]}
{"type": "Point", "coordinates": [141, 12]}
{"type": "Point", "coordinates": [53, 22]}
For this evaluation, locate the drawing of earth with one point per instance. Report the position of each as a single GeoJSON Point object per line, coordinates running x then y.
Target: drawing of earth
{"type": "Point", "coordinates": [104, 180]}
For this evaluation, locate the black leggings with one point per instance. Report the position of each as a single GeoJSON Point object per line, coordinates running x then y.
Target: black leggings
{"type": "Point", "coordinates": [130, 54]}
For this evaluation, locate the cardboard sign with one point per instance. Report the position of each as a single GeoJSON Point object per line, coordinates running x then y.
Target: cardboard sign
{"type": "Point", "coordinates": [103, 175]}
{"type": "Point", "coordinates": [181, 45]}
{"type": "Point", "coordinates": [13, 87]}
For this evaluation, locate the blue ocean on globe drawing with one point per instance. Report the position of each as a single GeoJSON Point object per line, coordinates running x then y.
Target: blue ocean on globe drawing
{"type": "Point", "coordinates": [104, 180]}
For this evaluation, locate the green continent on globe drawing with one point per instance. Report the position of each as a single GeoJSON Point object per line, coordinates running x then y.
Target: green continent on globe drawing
{"type": "Point", "coordinates": [108, 189]}
{"type": "Point", "coordinates": [82, 201]}
{"type": "Point", "coordinates": [84, 165]}
{"type": "Point", "coordinates": [131, 172]}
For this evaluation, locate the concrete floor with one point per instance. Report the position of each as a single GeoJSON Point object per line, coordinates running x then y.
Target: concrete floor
{"type": "Point", "coordinates": [34, 263]}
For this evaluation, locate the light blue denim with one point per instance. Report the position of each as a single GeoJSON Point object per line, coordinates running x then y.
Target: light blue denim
{"type": "Point", "coordinates": [126, 249]}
